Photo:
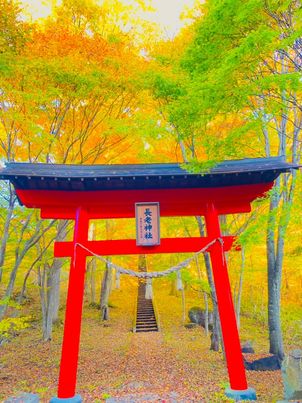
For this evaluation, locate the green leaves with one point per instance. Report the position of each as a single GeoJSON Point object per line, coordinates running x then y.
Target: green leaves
{"type": "Point", "coordinates": [167, 88]}
{"type": "Point", "coordinates": [235, 66]}
{"type": "Point", "coordinates": [10, 302]}
{"type": "Point", "coordinates": [11, 326]}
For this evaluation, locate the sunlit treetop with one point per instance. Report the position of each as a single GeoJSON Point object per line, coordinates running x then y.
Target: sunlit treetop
{"type": "Point", "coordinates": [168, 16]}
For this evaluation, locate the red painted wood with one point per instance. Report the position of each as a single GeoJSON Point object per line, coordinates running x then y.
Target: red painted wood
{"type": "Point", "coordinates": [225, 305]}
{"type": "Point", "coordinates": [120, 203]}
{"type": "Point", "coordinates": [73, 315]}
{"type": "Point", "coordinates": [128, 246]}
{"type": "Point", "coordinates": [106, 212]}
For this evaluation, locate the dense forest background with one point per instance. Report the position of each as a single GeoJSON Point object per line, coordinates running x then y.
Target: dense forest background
{"type": "Point", "coordinates": [94, 83]}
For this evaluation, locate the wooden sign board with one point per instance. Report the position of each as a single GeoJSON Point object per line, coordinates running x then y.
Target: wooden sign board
{"type": "Point", "coordinates": [147, 224]}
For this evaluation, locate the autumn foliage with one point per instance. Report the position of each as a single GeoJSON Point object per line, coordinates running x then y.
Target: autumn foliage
{"type": "Point", "coordinates": [95, 83]}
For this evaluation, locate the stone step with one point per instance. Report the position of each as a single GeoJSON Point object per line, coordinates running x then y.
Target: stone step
{"type": "Point", "coordinates": [143, 322]}
{"type": "Point", "coordinates": [146, 311]}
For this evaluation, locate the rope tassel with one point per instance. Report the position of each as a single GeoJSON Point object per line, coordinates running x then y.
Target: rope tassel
{"type": "Point", "coordinates": [149, 290]}
{"type": "Point", "coordinates": [179, 283]}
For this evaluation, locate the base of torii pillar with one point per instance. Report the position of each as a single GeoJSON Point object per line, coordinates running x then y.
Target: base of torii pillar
{"type": "Point", "coordinates": [238, 395]}
{"type": "Point", "coordinates": [74, 399]}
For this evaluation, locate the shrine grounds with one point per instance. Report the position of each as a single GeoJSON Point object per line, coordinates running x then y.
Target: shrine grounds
{"type": "Point", "coordinates": [172, 365]}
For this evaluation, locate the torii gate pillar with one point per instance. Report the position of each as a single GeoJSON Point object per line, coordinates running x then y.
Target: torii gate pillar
{"type": "Point", "coordinates": [238, 384]}
{"type": "Point", "coordinates": [73, 315]}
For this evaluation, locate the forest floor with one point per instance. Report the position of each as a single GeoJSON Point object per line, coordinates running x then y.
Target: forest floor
{"type": "Point", "coordinates": [174, 365]}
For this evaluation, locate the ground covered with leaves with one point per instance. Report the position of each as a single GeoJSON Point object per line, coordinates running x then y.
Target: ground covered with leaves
{"type": "Point", "coordinates": [173, 365]}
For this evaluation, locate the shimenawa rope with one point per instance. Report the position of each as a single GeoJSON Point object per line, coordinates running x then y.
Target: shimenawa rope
{"type": "Point", "coordinates": [150, 275]}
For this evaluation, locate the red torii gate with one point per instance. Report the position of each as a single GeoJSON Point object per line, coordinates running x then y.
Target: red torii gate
{"type": "Point", "coordinates": [81, 193]}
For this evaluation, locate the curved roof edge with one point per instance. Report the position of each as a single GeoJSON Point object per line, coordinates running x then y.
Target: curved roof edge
{"type": "Point", "coordinates": [141, 176]}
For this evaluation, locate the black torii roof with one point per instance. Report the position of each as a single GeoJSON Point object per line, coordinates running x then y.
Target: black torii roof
{"type": "Point", "coordinates": [141, 176]}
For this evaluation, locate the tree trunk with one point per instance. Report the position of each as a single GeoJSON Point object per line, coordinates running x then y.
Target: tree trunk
{"type": "Point", "coordinates": [10, 288]}
{"type": "Point", "coordinates": [50, 299]}
{"type": "Point", "coordinates": [274, 266]}
{"type": "Point", "coordinates": [239, 295]}
{"type": "Point", "coordinates": [47, 301]}
{"type": "Point", "coordinates": [54, 294]}
{"type": "Point", "coordinates": [90, 281]}
{"type": "Point", "coordinates": [206, 322]}
{"type": "Point", "coordinates": [215, 335]}
{"type": "Point", "coordinates": [20, 253]}
{"type": "Point", "coordinates": [180, 287]}
{"type": "Point", "coordinates": [274, 315]}
{"type": "Point", "coordinates": [142, 263]}
{"type": "Point", "coordinates": [275, 254]}
{"type": "Point", "coordinates": [216, 322]}
{"type": "Point", "coordinates": [105, 293]}
{"type": "Point", "coordinates": [50, 287]}
{"type": "Point", "coordinates": [87, 281]}
{"type": "Point", "coordinates": [117, 280]}
{"type": "Point", "coordinates": [8, 218]}
{"type": "Point", "coordinates": [199, 276]}
{"type": "Point", "coordinates": [55, 275]}
{"type": "Point", "coordinates": [41, 284]}
{"type": "Point", "coordinates": [183, 303]}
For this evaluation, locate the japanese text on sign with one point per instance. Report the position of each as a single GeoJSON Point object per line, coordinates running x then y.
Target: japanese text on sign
{"type": "Point", "coordinates": [147, 224]}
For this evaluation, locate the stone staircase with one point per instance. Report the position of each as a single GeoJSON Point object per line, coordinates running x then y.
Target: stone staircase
{"type": "Point", "coordinates": [145, 315]}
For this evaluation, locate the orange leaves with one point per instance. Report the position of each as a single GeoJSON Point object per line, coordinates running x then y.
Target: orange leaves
{"type": "Point", "coordinates": [58, 41]}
